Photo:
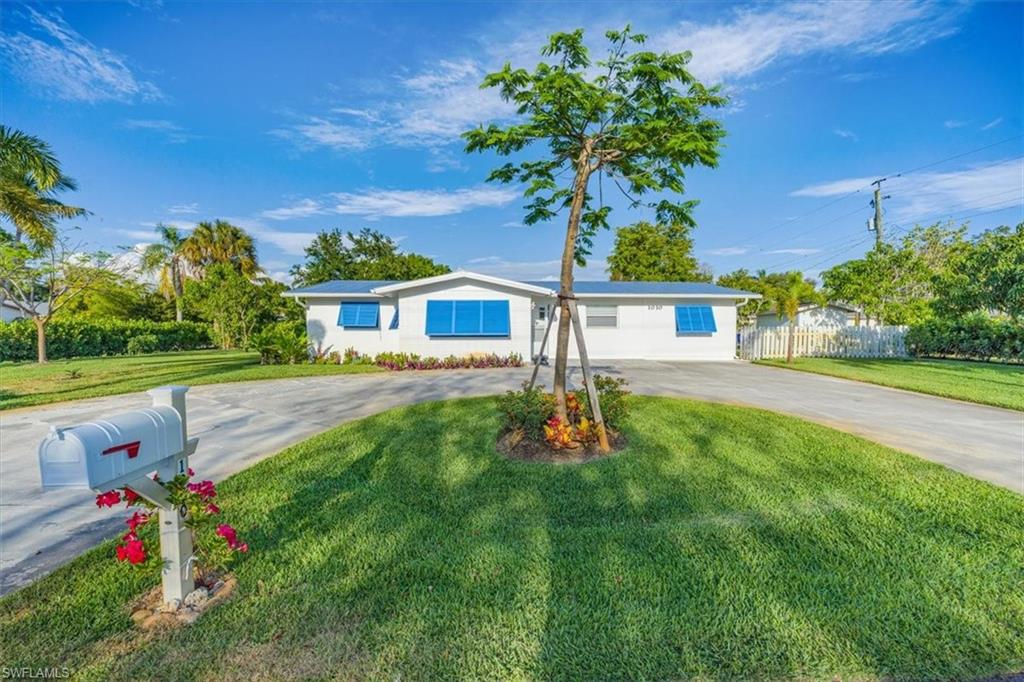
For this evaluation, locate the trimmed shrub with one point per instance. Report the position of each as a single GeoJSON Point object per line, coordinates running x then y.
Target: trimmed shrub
{"type": "Point", "coordinates": [526, 409]}
{"type": "Point", "coordinates": [143, 343]}
{"type": "Point", "coordinates": [611, 393]}
{"type": "Point", "coordinates": [281, 343]}
{"type": "Point", "coordinates": [972, 337]}
{"type": "Point", "coordinates": [72, 337]}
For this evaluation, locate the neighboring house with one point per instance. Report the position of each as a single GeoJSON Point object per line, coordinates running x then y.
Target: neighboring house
{"type": "Point", "coordinates": [9, 311]}
{"type": "Point", "coordinates": [463, 312]}
{"type": "Point", "coordinates": [814, 316]}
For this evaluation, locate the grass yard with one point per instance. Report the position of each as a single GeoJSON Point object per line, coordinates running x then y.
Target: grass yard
{"type": "Point", "coordinates": [27, 383]}
{"type": "Point", "coordinates": [724, 542]}
{"type": "Point", "coordinates": [977, 382]}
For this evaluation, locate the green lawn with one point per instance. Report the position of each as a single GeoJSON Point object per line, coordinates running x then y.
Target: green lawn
{"type": "Point", "coordinates": [724, 542]}
{"type": "Point", "coordinates": [977, 382]}
{"type": "Point", "coordinates": [28, 383]}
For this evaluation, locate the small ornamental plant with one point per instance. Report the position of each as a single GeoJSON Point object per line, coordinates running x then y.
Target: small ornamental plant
{"type": "Point", "coordinates": [532, 429]}
{"type": "Point", "coordinates": [213, 541]}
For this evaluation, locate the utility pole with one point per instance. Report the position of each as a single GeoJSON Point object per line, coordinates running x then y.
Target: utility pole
{"type": "Point", "coordinates": [877, 204]}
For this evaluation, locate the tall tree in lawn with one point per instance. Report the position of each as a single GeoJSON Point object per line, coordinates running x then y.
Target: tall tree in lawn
{"type": "Point", "coordinates": [787, 297]}
{"type": "Point", "coordinates": [167, 258]}
{"type": "Point", "coordinates": [30, 179]}
{"type": "Point", "coordinates": [368, 254]}
{"type": "Point", "coordinates": [654, 253]}
{"type": "Point", "coordinates": [984, 274]}
{"type": "Point", "coordinates": [41, 280]}
{"type": "Point", "coordinates": [220, 242]}
{"type": "Point", "coordinates": [637, 117]}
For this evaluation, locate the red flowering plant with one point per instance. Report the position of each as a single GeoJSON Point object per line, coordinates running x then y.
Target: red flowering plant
{"type": "Point", "coordinates": [213, 541]}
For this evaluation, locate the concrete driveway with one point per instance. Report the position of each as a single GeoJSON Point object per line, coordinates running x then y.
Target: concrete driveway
{"type": "Point", "coordinates": [239, 424]}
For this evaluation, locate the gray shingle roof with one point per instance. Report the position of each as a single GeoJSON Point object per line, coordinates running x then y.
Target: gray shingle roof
{"type": "Point", "coordinates": [343, 287]}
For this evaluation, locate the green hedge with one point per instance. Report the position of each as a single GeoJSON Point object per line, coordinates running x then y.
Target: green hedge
{"type": "Point", "coordinates": [71, 338]}
{"type": "Point", "coordinates": [974, 337]}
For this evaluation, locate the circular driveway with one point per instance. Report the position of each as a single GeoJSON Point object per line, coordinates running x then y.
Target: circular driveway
{"type": "Point", "coordinates": [240, 423]}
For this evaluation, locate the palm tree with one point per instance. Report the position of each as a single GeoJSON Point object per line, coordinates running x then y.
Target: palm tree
{"type": "Point", "coordinates": [787, 295]}
{"type": "Point", "coordinates": [220, 242]}
{"type": "Point", "coordinates": [30, 178]}
{"type": "Point", "coordinates": [166, 256]}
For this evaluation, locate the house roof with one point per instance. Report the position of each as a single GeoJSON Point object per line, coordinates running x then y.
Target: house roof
{"type": "Point", "coordinates": [687, 289]}
{"type": "Point", "coordinates": [583, 289]}
{"type": "Point", "coordinates": [543, 288]}
{"type": "Point", "coordinates": [846, 307]}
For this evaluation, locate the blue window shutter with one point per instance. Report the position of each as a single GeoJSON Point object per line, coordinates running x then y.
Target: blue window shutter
{"type": "Point", "coordinates": [440, 318]}
{"type": "Point", "coordinates": [394, 319]}
{"type": "Point", "coordinates": [495, 318]}
{"type": "Point", "coordinates": [362, 314]}
{"type": "Point", "coordinates": [695, 319]}
{"type": "Point", "coordinates": [467, 318]}
{"type": "Point", "coordinates": [708, 319]}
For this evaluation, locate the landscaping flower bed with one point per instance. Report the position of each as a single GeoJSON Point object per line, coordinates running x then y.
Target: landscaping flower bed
{"type": "Point", "coordinates": [533, 430]}
{"type": "Point", "coordinates": [404, 361]}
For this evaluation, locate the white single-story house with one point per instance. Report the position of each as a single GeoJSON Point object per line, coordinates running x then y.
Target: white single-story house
{"type": "Point", "coordinates": [814, 316]}
{"type": "Point", "coordinates": [464, 312]}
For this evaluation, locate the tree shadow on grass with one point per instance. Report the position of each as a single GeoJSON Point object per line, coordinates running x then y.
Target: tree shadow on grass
{"type": "Point", "coordinates": [403, 545]}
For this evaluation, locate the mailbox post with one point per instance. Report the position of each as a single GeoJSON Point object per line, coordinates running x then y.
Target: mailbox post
{"type": "Point", "coordinates": [122, 451]}
{"type": "Point", "coordinates": [175, 537]}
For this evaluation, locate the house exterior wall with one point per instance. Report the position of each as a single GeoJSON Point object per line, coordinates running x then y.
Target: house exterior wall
{"type": "Point", "coordinates": [413, 321]}
{"type": "Point", "coordinates": [324, 331]}
{"type": "Point", "coordinates": [646, 329]}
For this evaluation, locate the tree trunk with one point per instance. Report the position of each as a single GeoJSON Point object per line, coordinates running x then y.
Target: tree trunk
{"type": "Point", "coordinates": [40, 339]}
{"type": "Point", "coordinates": [583, 171]}
{"type": "Point", "coordinates": [178, 293]}
{"type": "Point", "coordinates": [789, 344]}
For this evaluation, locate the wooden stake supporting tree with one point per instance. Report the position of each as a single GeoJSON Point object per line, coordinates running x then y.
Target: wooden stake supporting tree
{"type": "Point", "coordinates": [637, 118]}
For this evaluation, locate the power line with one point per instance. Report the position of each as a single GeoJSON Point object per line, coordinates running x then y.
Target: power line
{"type": "Point", "coordinates": [846, 196]}
{"type": "Point", "coordinates": [984, 210]}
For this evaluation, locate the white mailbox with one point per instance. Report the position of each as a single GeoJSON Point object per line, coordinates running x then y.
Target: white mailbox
{"type": "Point", "coordinates": [109, 453]}
{"type": "Point", "coordinates": [122, 451]}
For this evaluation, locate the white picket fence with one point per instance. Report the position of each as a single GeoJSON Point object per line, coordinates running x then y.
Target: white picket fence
{"type": "Point", "coordinates": [840, 342]}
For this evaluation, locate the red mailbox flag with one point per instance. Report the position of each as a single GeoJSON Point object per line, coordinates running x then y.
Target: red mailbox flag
{"type": "Point", "coordinates": [131, 448]}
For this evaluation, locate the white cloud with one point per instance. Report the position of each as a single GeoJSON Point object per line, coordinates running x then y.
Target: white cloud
{"type": "Point", "coordinates": [512, 223]}
{"type": "Point", "coordinates": [66, 65]}
{"type": "Point", "coordinates": [170, 130]}
{"type": "Point", "coordinates": [147, 236]}
{"type": "Point", "coordinates": [183, 209]}
{"type": "Point", "coordinates": [845, 134]}
{"type": "Point", "coordinates": [833, 188]}
{"type": "Point", "coordinates": [548, 270]}
{"type": "Point", "coordinates": [432, 106]}
{"type": "Point", "coordinates": [754, 38]}
{"type": "Point", "coordinates": [926, 196]}
{"type": "Point", "coordinates": [291, 243]}
{"type": "Point", "coordinates": [321, 132]}
{"type": "Point", "coordinates": [951, 124]}
{"type": "Point", "coordinates": [441, 160]}
{"type": "Point", "coordinates": [379, 203]}
{"type": "Point", "coordinates": [729, 251]}
{"type": "Point", "coordinates": [992, 124]}
{"type": "Point", "coordinates": [981, 187]}
{"type": "Point", "coordinates": [796, 252]}
{"type": "Point", "coordinates": [301, 209]}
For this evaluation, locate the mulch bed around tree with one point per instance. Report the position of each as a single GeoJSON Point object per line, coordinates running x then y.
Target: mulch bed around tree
{"type": "Point", "coordinates": [514, 446]}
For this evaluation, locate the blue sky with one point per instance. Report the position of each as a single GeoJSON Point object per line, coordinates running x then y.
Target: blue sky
{"type": "Point", "coordinates": [291, 118]}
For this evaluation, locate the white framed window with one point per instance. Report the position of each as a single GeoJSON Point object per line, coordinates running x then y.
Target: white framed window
{"type": "Point", "coordinates": [542, 312]}
{"type": "Point", "coordinates": [602, 316]}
